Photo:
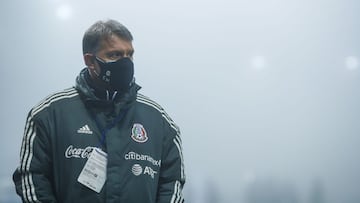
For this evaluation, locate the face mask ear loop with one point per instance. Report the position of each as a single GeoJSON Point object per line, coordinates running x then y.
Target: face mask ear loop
{"type": "Point", "coordinates": [114, 95]}
{"type": "Point", "coordinates": [107, 95]}
{"type": "Point", "coordinates": [97, 74]}
{"type": "Point", "coordinates": [97, 58]}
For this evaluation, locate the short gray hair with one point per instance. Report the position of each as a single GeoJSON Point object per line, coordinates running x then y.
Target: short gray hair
{"type": "Point", "coordinates": [102, 30]}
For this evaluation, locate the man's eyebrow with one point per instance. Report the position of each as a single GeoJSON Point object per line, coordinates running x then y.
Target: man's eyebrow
{"type": "Point", "coordinates": [128, 52]}
{"type": "Point", "coordinates": [115, 52]}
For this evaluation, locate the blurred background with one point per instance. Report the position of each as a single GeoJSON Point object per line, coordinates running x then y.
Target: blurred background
{"type": "Point", "coordinates": [266, 92]}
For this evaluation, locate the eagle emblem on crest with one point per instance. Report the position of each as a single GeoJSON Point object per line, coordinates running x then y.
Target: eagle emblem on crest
{"type": "Point", "coordinates": [138, 133]}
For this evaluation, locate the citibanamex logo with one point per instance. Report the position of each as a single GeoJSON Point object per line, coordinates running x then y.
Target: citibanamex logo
{"type": "Point", "coordinates": [72, 152]}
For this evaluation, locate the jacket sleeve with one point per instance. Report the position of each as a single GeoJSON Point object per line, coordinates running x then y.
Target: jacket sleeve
{"type": "Point", "coordinates": [33, 177]}
{"type": "Point", "coordinates": [172, 177]}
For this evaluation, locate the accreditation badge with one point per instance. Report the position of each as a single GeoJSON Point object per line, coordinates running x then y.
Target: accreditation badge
{"type": "Point", "coordinates": [93, 175]}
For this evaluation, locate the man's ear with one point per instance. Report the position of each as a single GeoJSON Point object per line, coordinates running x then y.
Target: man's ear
{"type": "Point", "coordinates": [89, 60]}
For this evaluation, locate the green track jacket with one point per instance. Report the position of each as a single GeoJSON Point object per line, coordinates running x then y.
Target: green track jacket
{"type": "Point", "coordinates": [143, 146]}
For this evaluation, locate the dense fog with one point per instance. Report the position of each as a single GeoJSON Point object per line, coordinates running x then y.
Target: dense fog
{"type": "Point", "coordinates": [266, 92]}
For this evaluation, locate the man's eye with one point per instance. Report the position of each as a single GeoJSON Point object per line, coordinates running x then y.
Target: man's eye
{"type": "Point", "coordinates": [114, 56]}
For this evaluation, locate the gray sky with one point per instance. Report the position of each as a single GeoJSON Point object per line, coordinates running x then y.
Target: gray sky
{"type": "Point", "coordinates": [262, 90]}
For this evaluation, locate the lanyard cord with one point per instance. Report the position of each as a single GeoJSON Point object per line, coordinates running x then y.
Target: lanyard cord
{"type": "Point", "coordinates": [108, 127]}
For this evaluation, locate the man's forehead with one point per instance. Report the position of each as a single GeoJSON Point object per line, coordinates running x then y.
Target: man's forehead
{"type": "Point", "coordinates": [113, 41]}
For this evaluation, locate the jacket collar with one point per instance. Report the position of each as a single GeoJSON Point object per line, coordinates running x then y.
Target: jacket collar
{"type": "Point", "coordinates": [99, 96]}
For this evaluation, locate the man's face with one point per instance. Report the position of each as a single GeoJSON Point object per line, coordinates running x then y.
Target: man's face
{"type": "Point", "coordinates": [113, 49]}
{"type": "Point", "coordinates": [110, 49]}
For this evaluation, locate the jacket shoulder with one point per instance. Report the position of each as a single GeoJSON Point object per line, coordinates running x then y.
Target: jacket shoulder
{"type": "Point", "coordinates": [53, 98]}
{"type": "Point", "coordinates": [154, 105]}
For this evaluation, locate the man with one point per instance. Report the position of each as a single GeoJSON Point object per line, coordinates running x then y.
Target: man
{"type": "Point", "coordinates": [101, 141]}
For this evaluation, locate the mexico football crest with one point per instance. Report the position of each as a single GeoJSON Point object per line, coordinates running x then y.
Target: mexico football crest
{"type": "Point", "coordinates": [138, 133]}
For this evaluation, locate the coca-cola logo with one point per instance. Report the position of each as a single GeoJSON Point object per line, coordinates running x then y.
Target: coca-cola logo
{"type": "Point", "coordinates": [73, 152]}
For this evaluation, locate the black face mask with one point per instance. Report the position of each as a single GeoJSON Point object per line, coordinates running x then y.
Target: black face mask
{"type": "Point", "coordinates": [117, 74]}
